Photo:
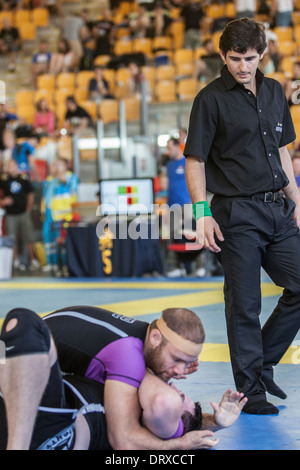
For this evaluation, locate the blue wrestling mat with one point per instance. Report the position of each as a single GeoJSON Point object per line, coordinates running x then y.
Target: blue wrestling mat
{"type": "Point", "coordinates": [143, 298]}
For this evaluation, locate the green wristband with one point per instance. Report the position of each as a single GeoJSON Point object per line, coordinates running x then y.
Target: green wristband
{"type": "Point", "coordinates": [201, 209]}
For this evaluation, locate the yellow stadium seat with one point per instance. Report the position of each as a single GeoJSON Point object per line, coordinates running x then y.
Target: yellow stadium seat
{"type": "Point", "coordinates": [230, 10]}
{"type": "Point", "coordinates": [60, 113]}
{"type": "Point", "coordinates": [60, 95]}
{"type": "Point", "coordinates": [295, 113]}
{"type": "Point", "coordinates": [185, 70]}
{"type": "Point", "coordinates": [109, 111]}
{"type": "Point", "coordinates": [215, 11]}
{"type": "Point", "coordinates": [165, 91]}
{"type": "Point", "coordinates": [102, 60]}
{"type": "Point", "coordinates": [40, 16]}
{"type": "Point", "coordinates": [24, 97]}
{"type": "Point", "coordinates": [187, 89]}
{"type": "Point", "coordinates": [143, 45]}
{"type": "Point", "coordinates": [27, 31]}
{"type": "Point", "coordinates": [165, 72]}
{"type": "Point", "coordinates": [279, 76]}
{"type": "Point", "coordinates": [149, 74]}
{"type": "Point", "coordinates": [132, 109]}
{"type": "Point", "coordinates": [162, 43]}
{"type": "Point", "coordinates": [287, 48]}
{"type": "Point", "coordinates": [83, 78]}
{"type": "Point", "coordinates": [26, 112]}
{"type": "Point", "coordinates": [6, 14]}
{"type": "Point", "coordinates": [123, 46]}
{"type": "Point", "coordinates": [43, 94]}
{"type": "Point", "coordinates": [65, 80]}
{"type": "Point", "coordinates": [22, 16]}
{"type": "Point", "coordinates": [284, 33]}
{"type": "Point", "coordinates": [183, 56]}
{"type": "Point", "coordinates": [81, 94]}
{"type": "Point", "coordinates": [90, 107]}
{"type": "Point", "coordinates": [46, 82]}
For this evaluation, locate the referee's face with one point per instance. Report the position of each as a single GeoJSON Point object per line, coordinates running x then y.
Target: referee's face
{"type": "Point", "coordinates": [243, 66]}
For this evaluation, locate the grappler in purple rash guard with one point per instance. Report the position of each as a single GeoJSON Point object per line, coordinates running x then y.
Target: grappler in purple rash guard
{"type": "Point", "coordinates": [54, 395]}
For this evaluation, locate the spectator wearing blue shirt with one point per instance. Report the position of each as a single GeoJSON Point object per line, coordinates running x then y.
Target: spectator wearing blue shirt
{"type": "Point", "coordinates": [40, 62]}
{"type": "Point", "coordinates": [22, 153]}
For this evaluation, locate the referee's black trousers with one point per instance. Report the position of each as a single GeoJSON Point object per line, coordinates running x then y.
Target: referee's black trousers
{"type": "Point", "coordinates": [258, 234]}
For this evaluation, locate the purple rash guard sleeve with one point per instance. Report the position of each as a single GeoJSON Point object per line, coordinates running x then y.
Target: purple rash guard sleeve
{"type": "Point", "coordinates": [121, 360]}
{"type": "Point", "coordinates": [179, 431]}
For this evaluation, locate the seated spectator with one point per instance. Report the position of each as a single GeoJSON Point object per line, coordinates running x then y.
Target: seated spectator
{"type": "Point", "coordinates": [98, 86]}
{"type": "Point", "coordinates": [209, 64]}
{"type": "Point", "coordinates": [139, 22]}
{"type": "Point", "coordinates": [77, 118]}
{"type": "Point", "coordinates": [44, 119]}
{"type": "Point", "coordinates": [6, 117]}
{"type": "Point", "coordinates": [40, 62]}
{"type": "Point", "coordinates": [160, 21]}
{"type": "Point", "coordinates": [137, 80]}
{"type": "Point", "coordinates": [192, 15]}
{"type": "Point", "coordinates": [281, 12]}
{"type": "Point", "coordinates": [245, 8]}
{"type": "Point", "coordinates": [103, 33]}
{"type": "Point", "coordinates": [17, 200]}
{"type": "Point", "coordinates": [10, 42]}
{"type": "Point", "coordinates": [63, 60]}
{"type": "Point", "coordinates": [22, 153]}
{"type": "Point", "coordinates": [292, 86]}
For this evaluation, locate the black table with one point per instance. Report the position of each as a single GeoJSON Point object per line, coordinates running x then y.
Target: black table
{"type": "Point", "coordinates": [94, 254]}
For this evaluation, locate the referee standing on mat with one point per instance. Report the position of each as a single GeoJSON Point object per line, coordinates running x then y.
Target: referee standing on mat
{"type": "Point", "coordinates": [240, 125]}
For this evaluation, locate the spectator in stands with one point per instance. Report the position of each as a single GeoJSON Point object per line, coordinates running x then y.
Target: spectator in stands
{"type": "Point", "coordinates": [75, 32]}
{"type": "Point", "coordinates": [160, 21]}
{"type": "Point", "coordinates": [245, 8]}
{"type": "Point", "coordinates": [281, 12]}
{"type": "Point", "coordinates": [209, 64]}
{"type": "Point", "coordinates": [98, 86]}
{"type": "Point", "coordinates": [63, 60]}
{"type": "Point", "coordinates": [192, 15]}
{"type": "Point", "coordinates": [139, 22]}
{"type": "Point", "coordinates": [22, 153]}
{"type": "Point", "coordinates": [77, 118]}
{"type": "Point", "coordinates": [104, 34]}
{"type": "Point", "coordinates": [59, 194]}
{"type": "Point", "coordinates": [10, 42]}
{"type": "Point", "coordinates": [296, 166]}
{"type": "Point", "coordinates": [44, 119]}
{"type": "Point", "coordinates": [54, 6]}
{"type": "Point", "coordinates": [137, 81]}
{"type": "Point", "coordinates": [17, 200]}
{"type": "Point", "coordinates": [6, 117]}
{"type": "Point", "coordinates": [292, 86]}
{"type": "Point", "coordinates": [40, 62]}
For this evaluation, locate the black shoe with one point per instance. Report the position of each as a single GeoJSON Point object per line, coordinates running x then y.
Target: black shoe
{"type": "Point", "coordinates": [261, 407]}
{"type": "Point", "coordinates": [273, 389]}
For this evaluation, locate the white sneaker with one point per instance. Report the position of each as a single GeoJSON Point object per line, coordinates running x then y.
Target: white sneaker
{"type": "Point", "coordinates": [201, 272]}
{"type": "Point", "coordinates": [47, 268]}
{"type": "Point", "coordinates": [34, 265]}
{"type": "Point", "coordinates": [179, 272]}
{"type": "Point", "coordinates": [16, 263]}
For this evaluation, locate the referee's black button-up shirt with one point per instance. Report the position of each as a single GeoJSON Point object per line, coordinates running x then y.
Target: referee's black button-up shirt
{"type": "Point", "coordinates": [238, 135]}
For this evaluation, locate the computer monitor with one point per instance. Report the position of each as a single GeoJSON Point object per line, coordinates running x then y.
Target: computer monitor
{"type": "Point", "coordinates": [126, 197]}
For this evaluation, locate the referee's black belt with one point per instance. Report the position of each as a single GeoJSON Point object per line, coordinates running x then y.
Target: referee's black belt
{"type": "Point", "coordinates": [269, 196]}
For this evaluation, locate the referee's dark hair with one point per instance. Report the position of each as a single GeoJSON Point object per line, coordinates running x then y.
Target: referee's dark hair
{"type": "Point", "coordinates": [241, 35]}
